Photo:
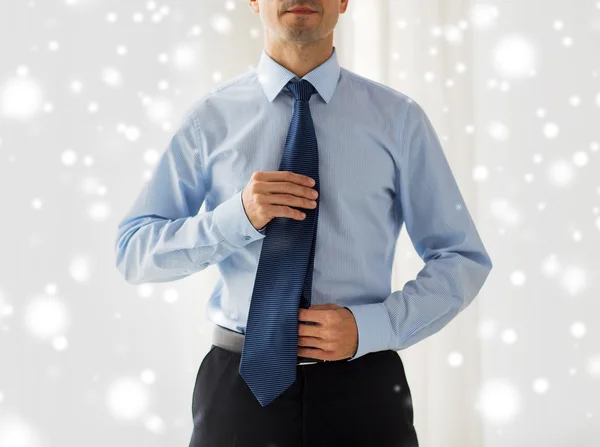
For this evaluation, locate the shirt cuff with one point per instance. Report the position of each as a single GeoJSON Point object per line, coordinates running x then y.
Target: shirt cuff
{"type": "Point", "coordinates": [233, 223]}
{"type": "Point", "coordinates": [373, 325]}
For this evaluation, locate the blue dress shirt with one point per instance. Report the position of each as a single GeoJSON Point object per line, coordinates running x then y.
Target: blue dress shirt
{"type": "Point", "coordinates": [381, 165]}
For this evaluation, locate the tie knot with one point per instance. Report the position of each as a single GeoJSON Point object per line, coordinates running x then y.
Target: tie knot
{"type": "Point", "coordinates": [301, 90]}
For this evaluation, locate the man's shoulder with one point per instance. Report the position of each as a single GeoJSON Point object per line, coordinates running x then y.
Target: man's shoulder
{"type": "Point", "coordinates": [385, 92]}
{"type": "Point", "coordinates": [238, 81]}
{"type": "Point", "coordinates": [230, 88]}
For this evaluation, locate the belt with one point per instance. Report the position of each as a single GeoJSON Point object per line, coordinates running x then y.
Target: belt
{"type": "Point", "coordinates": [234, 341]}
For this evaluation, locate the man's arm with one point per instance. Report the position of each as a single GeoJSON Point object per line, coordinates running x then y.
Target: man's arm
{"type": "Point", "coordinates": [163, 237]}
{"type": "Point", "coordinates": [443, 234]}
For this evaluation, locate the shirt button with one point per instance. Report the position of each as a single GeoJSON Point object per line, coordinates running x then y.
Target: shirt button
{"type": "Point", "coordinates": [247, 237]}
{"type": "Point", "coordinates": [206, 264]}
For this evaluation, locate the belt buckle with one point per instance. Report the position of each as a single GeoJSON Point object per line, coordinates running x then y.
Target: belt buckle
{"type": "Point", "coordinates": [307, 362]}
{"type": "Point", "coordinates": [310, 362]}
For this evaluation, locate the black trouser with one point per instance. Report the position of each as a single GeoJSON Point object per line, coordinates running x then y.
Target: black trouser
{"type": "Point", "coordinates": [365, 402]}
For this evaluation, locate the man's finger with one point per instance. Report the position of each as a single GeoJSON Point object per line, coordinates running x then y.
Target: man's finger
{"type": "Point", "coordinates": [316, 316]}
{"type": "Point", "coordinates": [313, 353]}
{"type": "Point", "coordinates": [307, 330]}
{"type": "Point", "coordinates": [311, 342]}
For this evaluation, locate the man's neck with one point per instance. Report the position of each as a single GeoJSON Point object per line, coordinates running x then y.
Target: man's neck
{"type": "Point", "coordinates": [300, 60]}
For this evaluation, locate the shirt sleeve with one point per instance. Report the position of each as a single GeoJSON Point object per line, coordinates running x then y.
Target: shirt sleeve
{"type": "Point", "coordinates": [164, 236]}
{"type": "Point", "coordinates": [444, 236]}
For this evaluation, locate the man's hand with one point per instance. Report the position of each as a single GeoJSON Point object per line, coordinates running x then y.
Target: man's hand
{"type": "Point", "coordinates": [333, 334]}
{"type": "Point", "coordinates": [271, 194]}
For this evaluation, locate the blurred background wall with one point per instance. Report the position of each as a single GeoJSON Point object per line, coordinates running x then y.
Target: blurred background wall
{"type": "Point", "coordinates": [90, 93]}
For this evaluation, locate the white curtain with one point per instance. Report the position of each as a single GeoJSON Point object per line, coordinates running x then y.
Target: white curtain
{"type": "Point", "coordinates": [399, 43]}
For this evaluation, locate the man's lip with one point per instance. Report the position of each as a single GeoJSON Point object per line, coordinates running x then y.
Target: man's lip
{"type": "Point", "coordinates": [301, 10]}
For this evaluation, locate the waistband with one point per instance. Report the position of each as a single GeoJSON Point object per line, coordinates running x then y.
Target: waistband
{"type": "Point", "coordinates": [234, 341]}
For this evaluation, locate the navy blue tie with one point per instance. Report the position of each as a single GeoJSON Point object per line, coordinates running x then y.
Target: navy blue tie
{"type": "Point", "coordinates": [284, 277]}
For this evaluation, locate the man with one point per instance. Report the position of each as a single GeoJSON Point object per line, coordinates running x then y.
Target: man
{"type": "Point", "coordinates": [308, 172]}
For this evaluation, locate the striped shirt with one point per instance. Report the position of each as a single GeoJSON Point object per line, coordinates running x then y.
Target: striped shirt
{"type": "Point", "coordinates": [381, 165]}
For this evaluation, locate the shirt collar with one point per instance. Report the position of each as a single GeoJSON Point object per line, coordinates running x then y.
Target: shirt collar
{"type": "Point", "coordinates": [274, 77]}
